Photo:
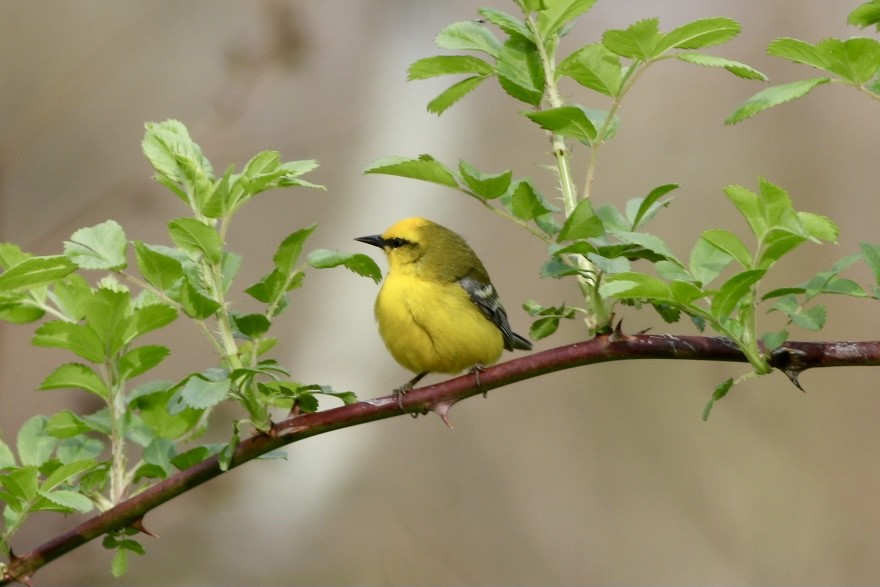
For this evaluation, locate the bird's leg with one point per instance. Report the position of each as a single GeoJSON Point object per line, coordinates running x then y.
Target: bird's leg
{"type": "Point", "coordinates": [401, 391]}
{"type": "Point", "coordinates": [476, 370]}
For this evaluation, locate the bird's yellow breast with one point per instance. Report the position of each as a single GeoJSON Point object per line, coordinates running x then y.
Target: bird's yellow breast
{"type": "Point", "coordinates": [433, 326]}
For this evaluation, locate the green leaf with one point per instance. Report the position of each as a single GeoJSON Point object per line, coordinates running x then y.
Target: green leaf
{"type": "Point", "coordinates": [638, 42]}
{"type": "Point", "coordinates": [773, 340]}
{"type": "Point", "coordinates": [704, 32]}
{"type": "Point", "coordinates": [774, 96]}
{"type": "Point", "coordinates": [866, 15]}
{"type": "Point", "coordinates": [485, 185]}
{"type": "Point", "coordinates": [195, 303]}
{"type": "Point", "coordinates": [811, 319]}
{"type": "Point", "coordinates": [468, 36]}
{"type": "Point", "coordinates": [734, 291]}
{"type": "Point", "coordinates": [855, 60]}
{"type": "Point", "coordinates": [425, 168]}
{"type": "Point", "coordinates": [735, 67]}
{"type": "Point", "coordinates": [560, 13]}
{"type": "Point", "coordinates": [507, 23]}
{"type": "Point", "coordinates": [871, 253]}
{"type": "Point", "coordinates": [568, 121]}
{"type": "Point", "coordinates": [119, 565]}
{"type": "Point", "coordinates": [820, 228]}
{"type": "Point", "coordinates": [7, 459]}
{"type": "Point", "coordinates": [68, 500]}
{"type": "Point", "coordinates": [192, 235]}
{"type": "Point", "coordinates": [179, 162]}
{"type": "Point", "coordinates": [582, 223]}
{"type": "Point", "coordinates": [77, 338]}
{"type": "Point", "coordinates": [206, 389]}
{"type": "Point", "coordinates": [720, 391]}
{"type": "Point", "coordinates": [445, 99]}
{"type": "Point", "coordinates": [35, 271]}
{"type": "Point", "coordinates": [107, 313]}
{"type": "Point", "coordinates": [77, 376]}
{"type": "Point", "coordinates": [158, 266]}
{"type": "Point", "coordinates": [141, 359]}
{"type": "Point", "coordinates": [98, 247]}
{"type": "Point", "coordinates": [649, 205]}
{"type": "Point", "coordinates": [729, 243]}
{"type": "Point", "coordinates": [748, 204]}
{"type": "Point", "coordinates": [35, 445]}
{"type": "Point", "coordinates": [19, 308]}
{"type": "Point", "coordinates": [65, 473]}
{"type": "Point", "coordinates": [11, 254]}
{"type": "Point", "coordinates": [707, 262]}
{"type": "Point", "coordinates": [356, 262]}
{"type": "Point", "coordinates": [526, 203]}
{"type": "Point", "coordinates": [594, 67]}
{"type": "Point", "coordinates": [148, 318]}
{"type": "Point", "coordinates": [194, 456]}
{"type": "Point", "coordinates": [152, 403]}
{"type": "Point", "coordinates": [251, 325]}
{"type": "Point", "coordinates": [650, 242]}
{"type": "Point", "coordinates": [447, 64]}
{"type": "Point", "coordinates": [543, 327]}
{"type": "Point", "coordinates": [66, 424]}
{"type": "Point", "coordinates": [636, 285]}
{"type": "Point", "coordinates": [72, 295]}
{"type": "Point", "coordinates": [520, 72]}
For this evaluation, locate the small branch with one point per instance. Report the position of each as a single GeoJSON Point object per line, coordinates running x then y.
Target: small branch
{"type": "Point", "coordinates": [791, 357]}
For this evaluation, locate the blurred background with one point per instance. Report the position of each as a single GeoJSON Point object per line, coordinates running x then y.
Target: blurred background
{"type": "Point", "coordinates": [599, 475]}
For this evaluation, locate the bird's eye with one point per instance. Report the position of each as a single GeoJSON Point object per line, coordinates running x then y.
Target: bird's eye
{"type": "Point", "coordinates": [396, 242]}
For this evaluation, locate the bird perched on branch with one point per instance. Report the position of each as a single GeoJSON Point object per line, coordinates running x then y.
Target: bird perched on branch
{"type": "Point", "coordinates": [437, 310]}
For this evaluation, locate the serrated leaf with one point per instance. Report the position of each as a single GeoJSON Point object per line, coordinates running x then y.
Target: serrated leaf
{"type": "Point", "coordinates": [195, 304]}
{"type": "Point", "coordinates": [108, 313]}
{"type": "Point", "coordinates": [66, 472]}
{"type": "Point", "coordinates": [774, 96]}
{"type": "Point", "coordinates": [252, 325]}
{"type": "Point", "coordinates": [871, 254]}
{"type": "Point", "coordinates": [773, 340]}
{"type": "Point", "coordinates": [568, 121]}
{"type": "Point", "coordinates": [526, 203]}
{"type": "Point", "coordinates": [507, 23]}
{"type": "Point", "coordinates": [735, 67]}
{"type": "Point", "coordinates": [747, 203]}
{"type": "Point", "coordinates": [638, 41]}
{"type": "Point", "coordinates": [179, 162]}
{"type": "Point", "coordinates": [35, 271]}
{"type": "Point", "coordinates": [720, 391]}
{"type": "Point", "coordinates": [730, 244]}
{"type": "Point", "coordinates": [707, 262]}
{"type": "Point", "coordinates": [582, 223]}
{"type": "Point", "coordinates": [650, 242]}
{"type": "Point", "coordinates": [159, 268]}
{"type": "Point", "coordinates": [734, 291]}
{"type": "Point", "coordinates": [820, 228]}
{"type": "Point", "coordinates": [68, 500]}
{"type": "Point", "coordinates": [153, 408]}
{"type": "Point", "coordinates": [205, 390]}
{"type": "Point", "coordinates": [148, 318]}
{"type": "Point", "coordinates": [11, 254]}
{"type": "Point", "coordinates": [141, 359]}
{"type": "Point", "coordinates": [648, 206]}
{"type": "Point", "coordinates": [425, 168]}
{"type": "Point", "coordinates": [192, 235]}
{"type": "Point", "coordinates": [77, 376]}
{"type": "Point", "coordinates": [636, 285]}
{"type": "Point", "coordinates": [865, 15]}
{"type": "Point", "coordinates": [98, 247]}
{"type": "Point", "coordinates": [704, 32]}
{"type": "Point", "coordinates": [356, 262]}
{"type": "Point", "coordinates": [543, 327]}
{"type": "Point", "coordinates": [77, 338]}
{"type": "Point", "coordinates": [7, 459]}
{"type": "Point", "coordinates": [34, 443]}
{"type": "Point", "coordinates": [485, 185]}
{"type": "Point", "coordinates": [560, 13]}
{"type": "Point", "coordinates": [811, 319]}
{"type": "Point", "coordinates": [287, 255]}
{"type": "Point", "coordinates": [445, 99]}
{"type": "Point", "coordinates": [520, 71]}
{"type": "Point", "coordinates": [446, 65]}
{"type": "Point", "coordinates": [468, 36]}
{"type": "Point", "coordinates": [594, 67]}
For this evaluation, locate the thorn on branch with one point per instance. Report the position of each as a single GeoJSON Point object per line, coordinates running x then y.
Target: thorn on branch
{"type": "Point", "coordinates": [617, 334]}
{"type": "Point", "coordinates": [790, 361]}
{"type": "Point", "coordinates": [139, 526]}
{"type": "Point", "coordinates": [442, 410]}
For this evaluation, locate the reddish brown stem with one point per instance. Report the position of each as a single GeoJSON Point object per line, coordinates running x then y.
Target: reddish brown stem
{"type": "Point", "coordinates": [793, 357]}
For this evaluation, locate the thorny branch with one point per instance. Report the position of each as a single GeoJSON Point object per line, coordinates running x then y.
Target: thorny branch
{"type": "Point", "coordinates": [792, 358]}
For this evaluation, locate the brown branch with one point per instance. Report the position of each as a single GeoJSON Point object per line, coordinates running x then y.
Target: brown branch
{"type": "Point", "coordinates": [792, 358]}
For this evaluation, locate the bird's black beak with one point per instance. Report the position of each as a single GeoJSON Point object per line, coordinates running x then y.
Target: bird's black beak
{"type": "Point", "coordinates": [374, 239]}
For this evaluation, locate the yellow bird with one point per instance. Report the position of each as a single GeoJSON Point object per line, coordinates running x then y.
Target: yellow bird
{"type": "Point", "coordinates": [437, 310]}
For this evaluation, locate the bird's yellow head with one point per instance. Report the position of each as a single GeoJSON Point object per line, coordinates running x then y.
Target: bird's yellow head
{"type": "Point", "coordinates": [421, 246]}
